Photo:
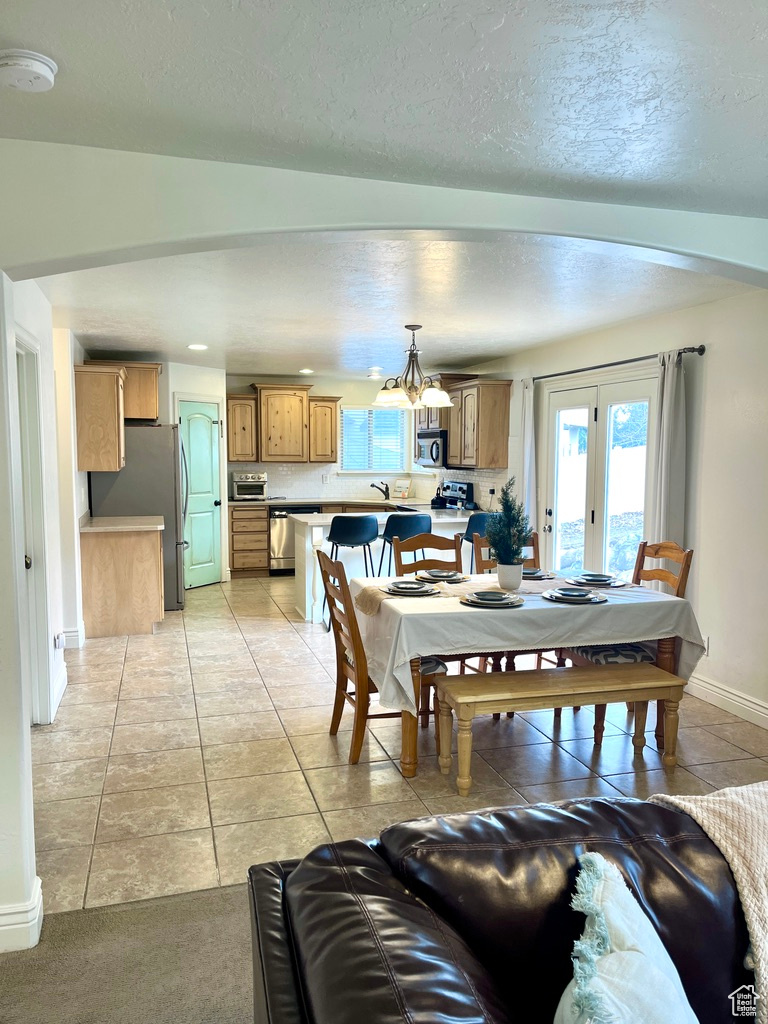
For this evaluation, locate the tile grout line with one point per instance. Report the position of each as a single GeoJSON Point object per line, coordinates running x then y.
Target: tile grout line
{"type": "Point", "coordinates": [104, 782]}
{"type": "Point", "coordinates": [202, 754]}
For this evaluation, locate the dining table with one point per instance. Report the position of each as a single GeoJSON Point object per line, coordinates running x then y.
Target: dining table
{"type": "Point", "coordinates": [397, 632]}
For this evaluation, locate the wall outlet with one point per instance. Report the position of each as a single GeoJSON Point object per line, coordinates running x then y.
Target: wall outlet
{"type": "Point", "coordinates": [326, 478]}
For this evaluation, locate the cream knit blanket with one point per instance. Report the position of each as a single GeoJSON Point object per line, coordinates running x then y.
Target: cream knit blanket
{"type": "Point", "coordinates": [736, 820]}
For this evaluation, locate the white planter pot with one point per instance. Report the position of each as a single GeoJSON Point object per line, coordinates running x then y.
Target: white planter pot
{"type": "Point", "coordinates": [510, 576]}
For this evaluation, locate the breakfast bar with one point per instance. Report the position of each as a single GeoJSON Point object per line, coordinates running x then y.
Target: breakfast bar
{"type": "Point", "coordinates": [311, 534]}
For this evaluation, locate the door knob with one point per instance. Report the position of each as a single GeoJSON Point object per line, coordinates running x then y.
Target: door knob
{"type": "Point", "coordinates": [27, 562]}
{"type": "Point", "coordinates": [217, 503]}
{"type": "Point", "coordinates": [546, 529]}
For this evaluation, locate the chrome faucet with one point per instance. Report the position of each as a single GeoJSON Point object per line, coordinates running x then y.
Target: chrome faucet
{"type": "Point", "coordinates": [384, 489]}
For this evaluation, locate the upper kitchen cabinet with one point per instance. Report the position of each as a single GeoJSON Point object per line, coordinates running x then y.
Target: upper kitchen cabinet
{"type": "Point", "coordinates": [283, 423]}
{"type": "Point", "coordinates": [99, 410]}
{"type": "Point", "coordinates": [478, 427]}
{"type": "Point", "coordinates": [323, 428]}
{"type": "Point", "coordinates": [141, 388]}
{"type": "Point", "coordinates": [241, 428]}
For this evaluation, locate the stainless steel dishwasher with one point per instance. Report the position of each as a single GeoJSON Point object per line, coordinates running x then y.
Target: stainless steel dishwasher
{"type": "Point", "coordinates": [282, 553]}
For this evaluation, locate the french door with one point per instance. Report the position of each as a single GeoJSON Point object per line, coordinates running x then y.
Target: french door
{"type": "Point", "coordinates": [600, 443]}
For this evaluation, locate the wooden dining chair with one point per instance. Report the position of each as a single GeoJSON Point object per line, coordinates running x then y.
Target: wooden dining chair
{"type": "Point", "coordinates": [427, 542]}
{"type": "Point", "coordinates": [351, 661]}
{"type": "Point", "coordinates": [483, 564]}
{"type": "Point", "coordinates": [618, 654]}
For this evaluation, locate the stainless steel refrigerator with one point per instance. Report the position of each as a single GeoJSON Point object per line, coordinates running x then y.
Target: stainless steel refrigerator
{"type": "Point", "coordinates": [152, 483]}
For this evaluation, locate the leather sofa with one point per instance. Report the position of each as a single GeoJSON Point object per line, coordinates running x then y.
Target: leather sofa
{"type": "Point", "coordinates": [466, 918]}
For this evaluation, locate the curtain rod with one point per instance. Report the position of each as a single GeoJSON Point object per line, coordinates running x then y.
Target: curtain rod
{"type": "Point", "coordinates": [698, 349]}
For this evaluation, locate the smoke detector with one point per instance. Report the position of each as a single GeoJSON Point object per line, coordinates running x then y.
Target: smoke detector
{"type": "Point", "coordinates": [27, 71]}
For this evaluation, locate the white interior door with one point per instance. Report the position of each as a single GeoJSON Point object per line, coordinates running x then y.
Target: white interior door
{"type": "Point", "coordinates": [600, 444]}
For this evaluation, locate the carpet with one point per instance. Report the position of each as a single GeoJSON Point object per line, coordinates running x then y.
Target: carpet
{"type": "Point", "coordinates": [176, 960]}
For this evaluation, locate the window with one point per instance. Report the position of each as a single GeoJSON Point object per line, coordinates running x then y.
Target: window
{"type": "Point", "coordinates": [373, 440]}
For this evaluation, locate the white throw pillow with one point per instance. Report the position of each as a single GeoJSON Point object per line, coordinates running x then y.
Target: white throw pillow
{"type": "Point", "coordinates": [622, 973]}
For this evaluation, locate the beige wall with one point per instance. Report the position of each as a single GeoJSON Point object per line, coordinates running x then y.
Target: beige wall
{"type": "Point", "coordinates": [73, 484]}
{"type": "Point", "coordinates": [727, 473]}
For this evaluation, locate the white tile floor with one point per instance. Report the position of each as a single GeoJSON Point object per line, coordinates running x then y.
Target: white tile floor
{"type": "Point", "coordinates": [177, 760]}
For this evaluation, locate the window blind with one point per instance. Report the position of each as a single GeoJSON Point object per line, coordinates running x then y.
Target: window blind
{"type": "Point", "coordinates": [373, 439]}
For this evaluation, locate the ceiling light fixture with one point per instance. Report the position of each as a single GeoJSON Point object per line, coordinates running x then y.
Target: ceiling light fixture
{"type": "Point", "coordinates": [412, 389]}
{"type": "Point", "coordinates": [374, 373]}
{"type": "Point", "coordinates": [197, 348]}
{"type": "Point", "coordinates": [306, 371]}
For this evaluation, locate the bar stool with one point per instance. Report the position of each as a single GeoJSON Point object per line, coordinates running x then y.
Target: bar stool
{"type": "Point", "coordinates": [404, 526]}
{"type": "Point", "coordinates": [477, 523]}
{"type": "Point", "coordinates": [352, 532]}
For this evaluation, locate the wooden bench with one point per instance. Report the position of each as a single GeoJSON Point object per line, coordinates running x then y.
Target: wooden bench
{"type": "Point", "coordinates": [557, 687]}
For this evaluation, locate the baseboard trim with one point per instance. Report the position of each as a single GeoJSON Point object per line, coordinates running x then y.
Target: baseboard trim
{"type": "Point", "coordinates": [75, 637]}
{"type": "Point", "coordinates": [725, 697]}
{"type": "Point", "coordinates": [20, 923]}
{"type": "Point", "coordinates": [59, 686]}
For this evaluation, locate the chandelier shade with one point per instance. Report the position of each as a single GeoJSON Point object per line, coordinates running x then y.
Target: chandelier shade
{"type": "Point", "coordinates": [413, 389]}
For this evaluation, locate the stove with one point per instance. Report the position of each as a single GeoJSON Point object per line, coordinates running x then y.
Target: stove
{"type": "Point", "coordinates": [457, 494]}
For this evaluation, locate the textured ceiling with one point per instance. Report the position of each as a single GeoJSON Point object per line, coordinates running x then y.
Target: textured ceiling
{"type": "Point", "coordinates": [338, 304]}
{"type": "Point", "coordinates": [645, 102]}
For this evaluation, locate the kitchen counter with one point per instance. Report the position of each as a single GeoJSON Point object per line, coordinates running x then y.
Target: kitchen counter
{"type": "Point", "coordinates": [121, 559]}
{"type": "Point", "coordinates": [123, 524]}
{"type": "Point", "coordinates": [311, 534]}
{"type": "Point", "coordinates": [438, 516]}
{"type": "Point", "coordinates": [390, 504]}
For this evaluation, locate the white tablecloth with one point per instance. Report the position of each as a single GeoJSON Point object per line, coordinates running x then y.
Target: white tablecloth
{"type": "Point", "coordinates": [409, 627]}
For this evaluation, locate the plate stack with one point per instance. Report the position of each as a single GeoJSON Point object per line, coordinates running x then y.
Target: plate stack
{"type": "Point", "coordinates": [492, 599]}
{"type": "Point", "coordinates": [440, 576]}
{"type": "Point", "coordinates": [574, 595]}
{"type": "Point", "coordinates": [410, 588]}
{"type": "Point", "coordinates": [596, 579]}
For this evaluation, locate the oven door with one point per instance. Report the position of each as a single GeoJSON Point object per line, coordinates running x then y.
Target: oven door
{"type": "Point", "coordinates": [249, 490]}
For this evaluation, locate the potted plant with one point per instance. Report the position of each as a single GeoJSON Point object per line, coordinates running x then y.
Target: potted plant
{"type": "Point", "coordinates": [507, 531]}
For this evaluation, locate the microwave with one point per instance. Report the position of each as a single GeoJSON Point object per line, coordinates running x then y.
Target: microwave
{"type": "Point", "coordinates": [249, 487]}
{"type": "Point", "coordinates": [431, 448]}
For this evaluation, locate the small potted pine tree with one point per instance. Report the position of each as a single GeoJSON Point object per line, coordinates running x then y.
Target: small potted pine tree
{"type": "Point", "coordinates": [508, 531]}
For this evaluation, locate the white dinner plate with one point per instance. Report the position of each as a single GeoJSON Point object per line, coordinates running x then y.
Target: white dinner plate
{"type": "Point", "coordinates": [588, 598]}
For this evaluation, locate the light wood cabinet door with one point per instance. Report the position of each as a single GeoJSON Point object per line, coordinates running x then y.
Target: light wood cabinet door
{"type": "Point", "coordinates": [454, 431]}
{"type": "Point", "coordinates": [241, 429]}
{"type": "Point", "coordinates": [323, 429]}
{"type": "Point", "coordinates": [469, 427]}
{"type": "Point", "coordinates": [141, 391]}
{"type": "Point", "coordinates": [100, 417]}
{"type": "Point", "coordinates": [141, 387]}
{"type": "Point", "coordinates": [284, 425]}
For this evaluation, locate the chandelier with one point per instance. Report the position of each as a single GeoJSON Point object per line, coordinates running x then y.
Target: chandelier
{"type": "Point", "coordinates": [412, 389]}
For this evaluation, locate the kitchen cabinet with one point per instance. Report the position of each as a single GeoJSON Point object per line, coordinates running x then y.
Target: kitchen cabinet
{"type": "Point", "coordinates": [364, 508]}
{"type": "Point", "coordinates": [478, 426]}
{"type": "Point", "coordinates": [241, 428]}
{"type": "Point", "coordinates": [323, 428]}
{"type": "Point", "coordinates": [283, 423]}
{"type": "Point", "coordinates": [100, 417]}
{"type": "Point", "coordinates": [332, 510]}
{"type": "Point", "coordinates": [121, 560]}
{"type": "Point", "coordinates": [432, 419]}
{"type": "Point", "coordinates": [248, 541]}
{"type": "Point", "coordinates": [141, 399]}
